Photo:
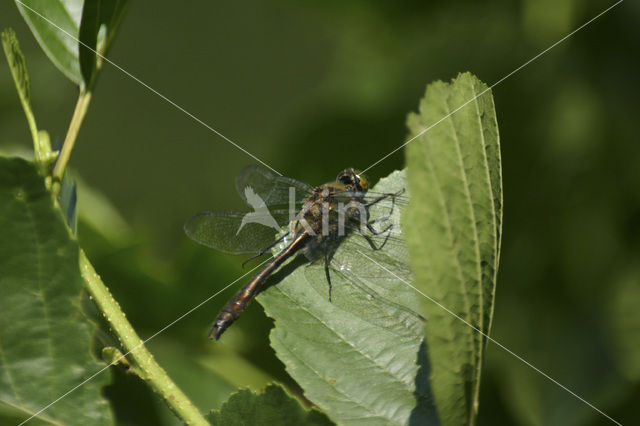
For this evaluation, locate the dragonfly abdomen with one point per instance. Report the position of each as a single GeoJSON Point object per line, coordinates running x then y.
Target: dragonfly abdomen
{"type": "Point", "coordinates": [236, 306]}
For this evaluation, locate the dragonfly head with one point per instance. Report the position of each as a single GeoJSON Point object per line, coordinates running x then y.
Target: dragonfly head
{"type": "Point", "coordinates": [354, 180]}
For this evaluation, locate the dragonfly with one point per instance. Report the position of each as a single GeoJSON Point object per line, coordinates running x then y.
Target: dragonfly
{"type": "Point", "coordinates": [317, 222]}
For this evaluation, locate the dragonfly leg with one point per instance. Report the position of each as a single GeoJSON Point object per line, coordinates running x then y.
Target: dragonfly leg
{"type": "Point", "coordinates": [326, 271]}
{"type": "Point", "coordinates": [373, 245]}
{"type": "Point", "coordinates": [382, 197]}
{"type": "Point", "coordinates": [264, 250]}
{"type": "Point", "coordinates": [387, 230]}
{"type": "Point", "coordinates": [373, 230]}
{"type": "Point", "coordinates": [380, 219]}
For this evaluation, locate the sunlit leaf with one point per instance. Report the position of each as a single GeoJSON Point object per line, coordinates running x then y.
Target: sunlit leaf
{"type": "Point", "coordinates": [455, 214]}
{"type": "Point", "coordinates": [272, 407]}
{"type": "Point", "coordinates": [45, 339]}
{"type": "Point", "coordinates": [361, 357]}
{"type": "Point", "coordinates": [58, 25]}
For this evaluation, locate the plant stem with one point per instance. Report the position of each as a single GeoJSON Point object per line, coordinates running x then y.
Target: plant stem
{"type": "Point", "coordinates": [149, 370]}
{"type": "Point", "coordinates": [69, 141]}
{"type": "Point", "coordinates": [38, 154]}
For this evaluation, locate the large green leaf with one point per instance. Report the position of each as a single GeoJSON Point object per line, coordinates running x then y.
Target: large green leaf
{"type": "Point", "coordinates": [361, 357]}
{"type": "Point", "coordinates": [272, 407]}
{"type": "Point", "coordinates": [59, 24]}
{"type": "Point", "coordinates": [455, 216]}
{"type": "Point", "coordinates": [45, 339]}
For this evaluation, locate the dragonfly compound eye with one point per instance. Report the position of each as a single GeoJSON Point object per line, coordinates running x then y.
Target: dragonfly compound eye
{"type": "Point", "coordinates": [354, 178]}
{"type": "Point", "coordinates": [361, 181]}
{"type": "Point", "coordinates": [346, 177]}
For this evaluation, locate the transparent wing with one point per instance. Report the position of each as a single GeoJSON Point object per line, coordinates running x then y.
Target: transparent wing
{"type": "Point", "coordinates": [371, 283]}
{"type": "Point", "coordinates": [271, 188]}
{"type": "Point", "coordinates": [236, 232]}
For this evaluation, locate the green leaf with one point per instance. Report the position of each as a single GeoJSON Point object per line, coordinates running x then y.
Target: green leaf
{"type": "Point", "coordinates": [58, 25]}
{"type": "Point", "coordinates": [58, 38]}
{"type": "Point", "coordinates": [100, 20]}
{"type": "Point", "coordinates": [455, 216]}
{"type": "Point", "coordinates": [361, 357]}
{"type": "Point", "coordinates": [273, 407]}
{"type": "Point", "coordinates": [45, 339]}
{"type": "Point", "coordinates": [18, 67]}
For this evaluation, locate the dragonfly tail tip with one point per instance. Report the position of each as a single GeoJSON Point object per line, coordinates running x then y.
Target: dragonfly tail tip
{"type": "Point", "coordinates": [215, 333]}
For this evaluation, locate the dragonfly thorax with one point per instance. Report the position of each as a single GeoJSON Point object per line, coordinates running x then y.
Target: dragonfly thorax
{"type": "Point", "coordinates": [328, 214]}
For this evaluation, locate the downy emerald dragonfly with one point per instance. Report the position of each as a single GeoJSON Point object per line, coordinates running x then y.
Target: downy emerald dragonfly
{"type": "Point", "coordinates": [329, 223]}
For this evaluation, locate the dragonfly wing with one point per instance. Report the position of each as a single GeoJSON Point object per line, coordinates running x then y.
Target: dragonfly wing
{"type": "Point", "coordinates": [235, 232]}
{"type": "Point", "coordinates": [369, 284]}
{"type": "Point", "coordinates": [269, 187]}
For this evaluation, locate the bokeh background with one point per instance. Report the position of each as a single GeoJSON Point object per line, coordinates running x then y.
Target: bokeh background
{"type": "Point", "coordinates": [313, 87]}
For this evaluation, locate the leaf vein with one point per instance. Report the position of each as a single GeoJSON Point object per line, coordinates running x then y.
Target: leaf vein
{"type": "Point", "coordinates": [348, 397]}
{"type": "Point", "coordinates": [472, 214]}
{"type": "Point", "coordinates": [353, 348]}
{"type": "Point", "coordinates": [47, 319]}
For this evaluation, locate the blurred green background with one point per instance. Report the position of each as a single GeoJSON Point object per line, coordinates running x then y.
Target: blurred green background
{"type": "Point", "coordinates": [312, 88]}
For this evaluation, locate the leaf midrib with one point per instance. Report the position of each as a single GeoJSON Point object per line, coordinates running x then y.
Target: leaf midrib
{"type": "Point", "coordinates": [443, 205]}
{"type": "Point", "coordinates": [30, 412]}
{"type": "Point", "coordinates": [476, 343]}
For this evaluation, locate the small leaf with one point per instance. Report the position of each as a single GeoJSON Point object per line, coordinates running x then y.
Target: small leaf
{"type": "Point", "coordinates": [45, 340]}
{"type": "Point", "coordinates": [100, 21]}
{"type": "Point", "coordinates": [18, 68]}
{"type": "Point", "coordinates": [112, 355]}
{"type": "Point", "coordinates": [360, 358]}
{"type": "Point", "coordinates": [273, 407]}
{"type": "Point", "coordinates": [455, 216]}
{"type": "Point", "coordinates": [67, 199]}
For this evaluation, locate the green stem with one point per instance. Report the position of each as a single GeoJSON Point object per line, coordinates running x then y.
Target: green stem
{"type": "Point", "coordinates": [134, 347]}
{"type": "Point", "coordinates": [34, 132]}
{"type": "Point", "coordinates": [69, 141]}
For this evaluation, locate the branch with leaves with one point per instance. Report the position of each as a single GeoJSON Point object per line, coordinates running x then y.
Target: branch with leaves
{"type": "Point", "coordinates": [93, 33]}
{"type": "Point", "coordinates": [364, 357]}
